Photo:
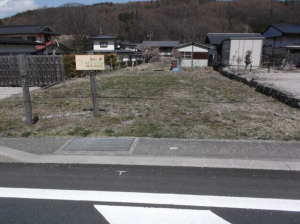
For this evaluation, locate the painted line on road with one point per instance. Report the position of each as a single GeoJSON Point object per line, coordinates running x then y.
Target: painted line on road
{"type": "Point", "coordinates": [141, 215]}
{"type": "Point", "coordinates": [154, 199]}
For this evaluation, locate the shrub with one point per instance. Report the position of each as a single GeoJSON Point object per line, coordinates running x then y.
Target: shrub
{"type": "Point", "coordinates": [70, 66]}
{"type": "Point", "coordinates": [111, 60]}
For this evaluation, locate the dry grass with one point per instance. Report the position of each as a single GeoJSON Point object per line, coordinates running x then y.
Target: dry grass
{"type": "Point", "coordinates": [196, 103]}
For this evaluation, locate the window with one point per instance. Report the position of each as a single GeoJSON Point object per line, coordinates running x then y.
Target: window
{"type": "Point", "coordinates": [31, 38]}
{"type": "Point", "coordinates": [103, 44]}
{"type": "Point", "coordinates": [186, 55]}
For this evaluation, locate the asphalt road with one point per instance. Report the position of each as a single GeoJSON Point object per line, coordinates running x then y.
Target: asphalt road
{"type": "Point", "coordinates": [107, 194]}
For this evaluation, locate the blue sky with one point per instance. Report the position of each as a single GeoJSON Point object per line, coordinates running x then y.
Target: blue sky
{"type": "Point", "coordinates": [11, 7]}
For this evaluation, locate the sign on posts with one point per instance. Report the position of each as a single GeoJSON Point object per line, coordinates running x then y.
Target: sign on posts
{"type": "Point", "coordinates": [91, 63]}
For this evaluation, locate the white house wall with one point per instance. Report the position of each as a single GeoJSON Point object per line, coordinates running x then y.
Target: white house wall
{"type": "Point", "coordinates": [189, 49]}
{"type": "Point", "coordinates": [197, 63]}
{"type": "Point", "coordinates": [110, 46]}
{"type": "Point", "coordinates": [239, 48]}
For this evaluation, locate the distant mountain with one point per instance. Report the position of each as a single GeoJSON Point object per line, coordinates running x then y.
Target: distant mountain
{"type": "Point", "coordinates": [72, 4]}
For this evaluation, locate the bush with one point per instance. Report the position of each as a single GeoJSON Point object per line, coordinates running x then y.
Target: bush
{"type": "Point", "coordinates": [70, 66]}
{"type": "Point", "coordinates": [111, 60]}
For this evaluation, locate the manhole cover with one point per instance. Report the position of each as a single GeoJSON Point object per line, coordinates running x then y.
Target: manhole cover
{"type": "Point", "coordinates": [100, 144]}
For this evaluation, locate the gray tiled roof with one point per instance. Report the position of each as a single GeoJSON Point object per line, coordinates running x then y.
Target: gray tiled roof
{"type": "Point", "coordinates": [14, 41]}
{"type": "Point", "coordinates": [27, 29]}
{"type": "Point", "coordinates": [110, 51]}
{"type": "Point", "coordinates": [287, 28]}
{"type": "Point", "coordinates": [218, 38]}
{"type": "Point", "coordinates": [161, 43]}
{"type": "Point", "coordinates": [102, 37]}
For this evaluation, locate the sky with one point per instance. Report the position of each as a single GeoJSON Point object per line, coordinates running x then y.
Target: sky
{"type": "Point", "coordinates": [11, 7]}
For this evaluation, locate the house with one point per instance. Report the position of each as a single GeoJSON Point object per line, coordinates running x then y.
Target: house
{"type": "Point", "coordinates": [53, 47]}
{"type": "Point", "coordinates": [43, 36]}
{"type": "Point", "coordinates": [282, 37]}
{"type": "Point", "coordinates": [36, 33]}
{"type": "Point", "coordinates": [193, 54]}
{"type": "Point", "coordinates": [13, 46]}
{"type": "Point", "coordinates": [165, 47]}
{"type": "Point", "coordinates": [229, 49]}
{"type": "Point", "coordinates": [128, 46]}
{"type": "Point", "coordinates": [107, 44]}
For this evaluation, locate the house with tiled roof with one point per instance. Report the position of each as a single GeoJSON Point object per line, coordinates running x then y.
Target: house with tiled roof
{"type": "Point", "coordinates": [105, 44]}
{"type": "Point", "coordinates": [281, 38]}
{"type": "Point", "coordinates": [43, 37]}
{"type": "Point", "coordinates": [10, 46]}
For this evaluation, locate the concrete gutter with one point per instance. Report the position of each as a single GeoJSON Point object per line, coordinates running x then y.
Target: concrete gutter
{"type": "Point", "coordinates": [24, 157]}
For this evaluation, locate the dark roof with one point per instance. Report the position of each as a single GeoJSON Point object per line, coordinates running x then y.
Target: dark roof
{"type": "Point", "coordinates": [128, 44]}
{"type": "Point", "coordinates": [287, 28]}
{"type": "Point", "coordinates": [102, 37]}
{"type": "Point", "coordinates": [193, 43]}
{"type": "Point", "coordinates": [161, 43]}
{"type": "Point", "coordinates": [218, 38]}
{"type": "Point", "coordinates": [14, 41]}
{"type": "Point", "coordinates": [28, 29]}
{"type": "Point", "coordinates": [112, 51]}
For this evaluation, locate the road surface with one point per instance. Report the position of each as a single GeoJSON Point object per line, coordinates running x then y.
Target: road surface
{"type": "Point", "coordinates": [136, 194]}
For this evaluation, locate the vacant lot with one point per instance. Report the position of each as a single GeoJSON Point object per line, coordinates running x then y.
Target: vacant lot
{"type": "Point", "coordinates": [196, 104]}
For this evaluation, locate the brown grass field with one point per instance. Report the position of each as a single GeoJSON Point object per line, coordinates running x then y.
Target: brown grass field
{"type": "Point", "coordinates": [195, 103]}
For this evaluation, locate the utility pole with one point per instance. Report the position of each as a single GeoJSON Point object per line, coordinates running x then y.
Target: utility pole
{"type": "Point", "coordinates": [25, 88]}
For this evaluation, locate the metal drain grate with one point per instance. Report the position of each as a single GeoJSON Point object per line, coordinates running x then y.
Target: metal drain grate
{"type": "Point", "coordinates": [100, 144]}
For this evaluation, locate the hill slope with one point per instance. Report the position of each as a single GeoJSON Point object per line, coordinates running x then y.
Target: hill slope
{"type": "Point", "coordinates": [183, 20]}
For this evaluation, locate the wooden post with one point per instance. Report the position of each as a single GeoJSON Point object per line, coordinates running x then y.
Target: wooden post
{"type": "Point", "coordinates": [192, 54]}
{"type": "Point", "coordinates": [25, 87]}
{"type": "Point", "coordinates": [94, 92]}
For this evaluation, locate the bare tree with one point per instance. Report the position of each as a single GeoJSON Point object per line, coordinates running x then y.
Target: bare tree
{"type": "Point", "coordinates": [151, 53]}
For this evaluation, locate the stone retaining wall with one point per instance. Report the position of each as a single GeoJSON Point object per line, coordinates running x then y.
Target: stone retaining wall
{"type": "Point", "coordinates": [267, 90]}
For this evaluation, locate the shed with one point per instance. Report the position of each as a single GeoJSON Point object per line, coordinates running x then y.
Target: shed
{"type": "Point", "coordinates": [216, 42]}
{"type": "Point", "coordinates": [234, 50]}
{"type": "Point", "coordinates": [194, 54]}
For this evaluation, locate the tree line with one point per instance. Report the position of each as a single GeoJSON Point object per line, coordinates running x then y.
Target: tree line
{"type": "Point", "coordinates": [182, 20]}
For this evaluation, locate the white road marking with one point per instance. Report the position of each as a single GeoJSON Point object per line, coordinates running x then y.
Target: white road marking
{"type": "Point", "coordinates": [140, 215]}
{"type": "Point", "coordinates": [153, 198]}
{"type": "Point", "coordinates": [121, 172]}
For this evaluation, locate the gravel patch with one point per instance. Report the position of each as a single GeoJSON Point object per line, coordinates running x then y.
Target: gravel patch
{"type": "Point", "coordinates": [6, 92]}
{"type": "Point", "coordinates": [286, 82]}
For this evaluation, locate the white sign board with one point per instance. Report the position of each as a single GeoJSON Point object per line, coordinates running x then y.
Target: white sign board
{"type": "Point", "coordinates": [90, 62]}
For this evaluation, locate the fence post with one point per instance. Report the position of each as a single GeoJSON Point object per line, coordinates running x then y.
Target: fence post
{"type": "Point", "coordinates": [25, 88]}
{"type": "Point", "coordinates": [94, 92]}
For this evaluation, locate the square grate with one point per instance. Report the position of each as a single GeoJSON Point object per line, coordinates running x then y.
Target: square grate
{"type": "Point", "coordinates": [100, 144]}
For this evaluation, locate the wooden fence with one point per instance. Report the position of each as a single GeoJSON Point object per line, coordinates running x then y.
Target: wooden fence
{"type": "Point", "coordinates": [42, 70]}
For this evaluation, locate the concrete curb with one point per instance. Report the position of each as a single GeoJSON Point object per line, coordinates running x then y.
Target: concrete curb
{"type": "Point", "coordinates": [25, 157]}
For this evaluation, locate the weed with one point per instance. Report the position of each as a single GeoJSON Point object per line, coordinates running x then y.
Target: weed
{"type": "Point", "coordinates": [26, 134]}
{"type": "Point", "coordinates": [80, 131]}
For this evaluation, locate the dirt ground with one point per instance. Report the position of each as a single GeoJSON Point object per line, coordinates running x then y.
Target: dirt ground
{"type": "Point", "coordinates": [195, 103]}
